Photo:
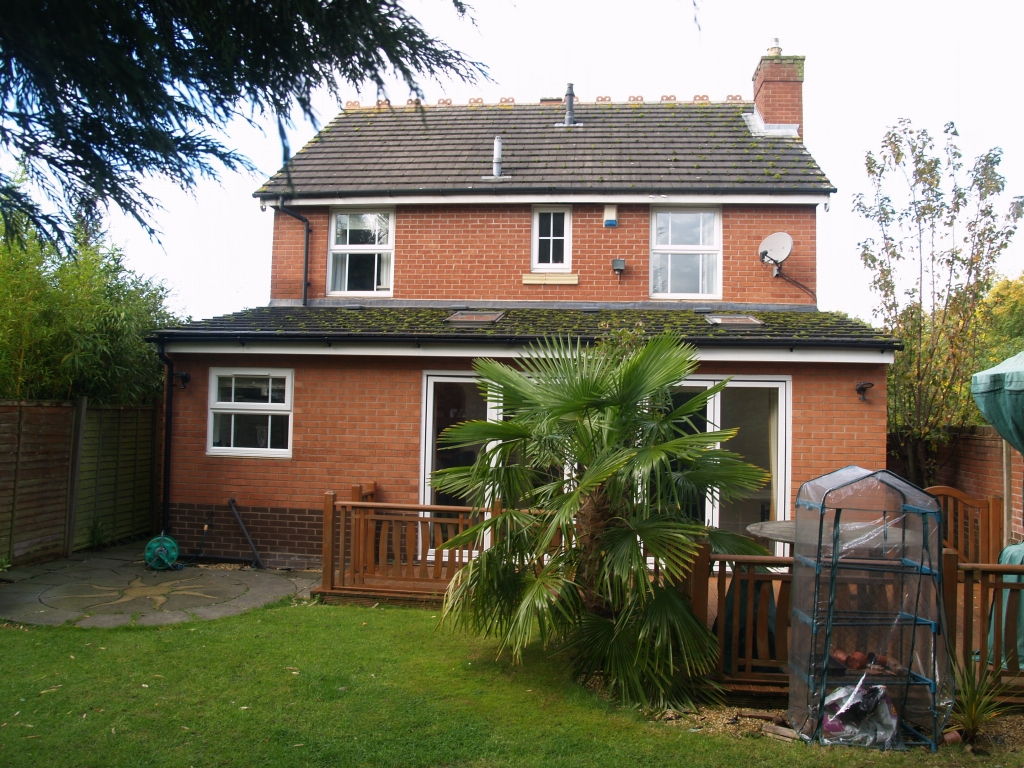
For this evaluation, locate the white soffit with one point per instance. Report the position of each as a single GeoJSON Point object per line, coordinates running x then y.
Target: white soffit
{"type": "Point", "coordinates": [564, 198]}
{"type": "Point", "coordinates": [429, 349]}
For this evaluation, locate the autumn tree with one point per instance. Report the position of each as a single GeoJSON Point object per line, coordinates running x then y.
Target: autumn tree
{"type": "Point", "coordinates": [940, 231]}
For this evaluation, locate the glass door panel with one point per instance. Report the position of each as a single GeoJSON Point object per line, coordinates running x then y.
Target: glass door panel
{"type": "Point", "coordinates": [755, 412]}
{"type": "Point", "coordinates": [453, 402]}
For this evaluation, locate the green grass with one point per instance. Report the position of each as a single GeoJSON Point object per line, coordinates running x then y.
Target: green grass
{"type": "Point", "coordinates": [375, 687]}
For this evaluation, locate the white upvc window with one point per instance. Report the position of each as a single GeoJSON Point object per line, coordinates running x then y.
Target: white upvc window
{"type": "Point", "coordinates": [250, 412]}
{"type": "Point", "coordinates": [362, 252]}
{"type": "Point", "coordinates": [552, 239]}
{"type": "Point", "coordinates": [686, 253]}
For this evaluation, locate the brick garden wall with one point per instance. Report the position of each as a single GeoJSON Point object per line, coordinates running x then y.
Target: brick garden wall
{"type": "Point", "coordinates": [460, 252]}
{"type": "Point", "coordinates": [972, 461]}
{"type": "Point", "coordinates": [358, 419]}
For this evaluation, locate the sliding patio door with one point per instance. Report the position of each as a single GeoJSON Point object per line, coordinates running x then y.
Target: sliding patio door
{"type": "Point", "coordinates": [759, 409]}
{"type": "Point", "coordinates": [448, 400]}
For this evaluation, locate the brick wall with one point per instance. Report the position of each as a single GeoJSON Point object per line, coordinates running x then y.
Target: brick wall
{"type": "Point", "coordinates": [286, 263]}
{"type": "Point", "coordinates": [746, 278]}
{"type": "Point", "coordinates": [779, 89]}
{"type": "Point", "coordinates": [358, 419]}
{"type": "Point", "coordinates": [461, 252]}
{"type": "Point", "coordinates": [972, 461]}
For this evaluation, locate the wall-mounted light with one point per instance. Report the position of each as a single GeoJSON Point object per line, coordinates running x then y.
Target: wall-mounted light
{"type": "Point", "coordinates": [862, 389]}
{"type": "Point", "coordinates": [618, 266]}
{"type": "Point", "coordinates": [184, 377]}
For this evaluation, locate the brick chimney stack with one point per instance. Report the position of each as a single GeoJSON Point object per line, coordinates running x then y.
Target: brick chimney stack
{"type": "Point", "coordinates": [779, 88]}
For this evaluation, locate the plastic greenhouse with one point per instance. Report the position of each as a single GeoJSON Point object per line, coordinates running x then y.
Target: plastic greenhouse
{"type": "Point", "coordinates": [868, 658]}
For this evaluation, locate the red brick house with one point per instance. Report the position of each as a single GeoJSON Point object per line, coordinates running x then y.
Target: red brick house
{"type": "Point", "coordinates": [426, 243]}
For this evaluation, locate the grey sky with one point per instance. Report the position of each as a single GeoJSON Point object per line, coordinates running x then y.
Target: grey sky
{"type": "Point", "coordinates": [869, 63]}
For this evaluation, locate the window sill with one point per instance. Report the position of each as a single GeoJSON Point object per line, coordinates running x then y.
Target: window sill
{"type": "Point", "coordinates": [254, 453]}
{"type": "Point", "coordinates": [686, 297]}
{"type": "Point", "coordinates": [551, 278]}
{"type": "Point", "coordinates": [360, 294]}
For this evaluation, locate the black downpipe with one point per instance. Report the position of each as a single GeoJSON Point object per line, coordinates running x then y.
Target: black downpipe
{"type": "Point", "coordinates": [305, 247]}
{"type": "Point", "coordinates": [165, 523]}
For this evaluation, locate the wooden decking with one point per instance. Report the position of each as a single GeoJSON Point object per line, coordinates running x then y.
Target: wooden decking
{"type": "Point", "coordinates": [376, 552]}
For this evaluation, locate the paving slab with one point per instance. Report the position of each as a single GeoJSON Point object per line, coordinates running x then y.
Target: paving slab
{"type": "Point", "coordinates": [105, 620]}
{"type": "Point", "coordinates": [106, 589]}
{"type": "Point", "coordinates": [159, 618]}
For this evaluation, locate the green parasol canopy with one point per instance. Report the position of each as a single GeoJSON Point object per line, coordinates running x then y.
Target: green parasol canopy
{"type": "Point", "coordinates": [999, 393]}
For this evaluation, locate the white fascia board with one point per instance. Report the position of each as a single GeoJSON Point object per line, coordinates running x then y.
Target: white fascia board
{"type": "Point", "coordinates": [429, 350]}
{"type": "Point", "coordinates": [563, 198]}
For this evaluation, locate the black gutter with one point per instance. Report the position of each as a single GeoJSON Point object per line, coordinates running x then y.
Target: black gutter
{"type": "Point", "coordinates": [707, 341]}
{"type": "Point", "coordinates": [305, 248]}
{"type": "Point", "coordinates": [165, 523]}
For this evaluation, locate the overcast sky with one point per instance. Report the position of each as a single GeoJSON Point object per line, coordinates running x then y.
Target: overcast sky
{"type": "Point", "coordinates": [869, 63]}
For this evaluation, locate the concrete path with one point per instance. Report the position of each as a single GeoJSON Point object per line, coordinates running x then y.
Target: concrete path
{"type": "Point", "coordinates": [114, 587]}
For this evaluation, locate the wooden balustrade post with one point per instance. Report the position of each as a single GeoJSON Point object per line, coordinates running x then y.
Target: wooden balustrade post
{"type": "Point", "coordinates": [699, 576]}
{"type": "Point", "coordinates": [950, 576]}
{"type": "Point", "coordinates": [327, 556]}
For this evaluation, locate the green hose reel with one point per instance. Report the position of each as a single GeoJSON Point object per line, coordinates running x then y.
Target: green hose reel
{"type": "Point", "coordinates": [161, 553]}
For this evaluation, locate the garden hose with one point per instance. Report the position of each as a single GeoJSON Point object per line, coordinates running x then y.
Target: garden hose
{"type": "Point", "coordinates": [162, 552]}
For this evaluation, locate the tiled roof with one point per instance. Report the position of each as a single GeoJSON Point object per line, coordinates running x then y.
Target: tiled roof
{"type": "Point", "coordinates": [520, 326]}
{"type": "Point", "coordinates": [635, 148]}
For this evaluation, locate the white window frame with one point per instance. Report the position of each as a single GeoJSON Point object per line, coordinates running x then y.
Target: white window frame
{"type": "Point", "coordinates": [784, 456]}
{"type": "Point", "coordinates": [214, 407]}
{"type": "Point", "coordinates": [427, 420]}
{"type": "Point", "coordinates": [673, 249]}
{"type": "Point", "coordinates": [535, 265]}
{"type": "Point", "coordinates": [333, 249]}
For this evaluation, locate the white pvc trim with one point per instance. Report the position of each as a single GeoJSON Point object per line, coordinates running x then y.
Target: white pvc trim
{"type": "Point", "coordinates": [565, 198]}
{"type": "Point", "coordinates": [443, 350]}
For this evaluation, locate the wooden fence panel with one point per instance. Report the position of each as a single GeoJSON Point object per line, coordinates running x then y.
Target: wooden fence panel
{"type": "Point", "coordinates": [116, 479]}
{"type": "Point", "coordinates": [34, 492]}
{"type": "Point", "coordinates": [116, 489]}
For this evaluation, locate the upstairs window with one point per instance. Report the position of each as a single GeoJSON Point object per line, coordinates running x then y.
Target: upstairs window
{"type": "Point", "coordinates": [362, 252]}
{"type": "Point", "coordinates": [552, 240]}
{"type": "Point", "coordinates": [686, 254]}
{"type": "Point", "coordinates": [250, 412]}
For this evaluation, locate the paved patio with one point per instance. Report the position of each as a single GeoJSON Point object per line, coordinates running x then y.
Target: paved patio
{"type": "Point", "coordinates": [113, 587]}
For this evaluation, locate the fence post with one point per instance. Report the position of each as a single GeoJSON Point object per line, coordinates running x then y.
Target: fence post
{"type": "Point", "coordinates": [950, 575]}
{"type": "Point", "coordinates": [997, 534]}
{"type": "Point", "coordinates": [327, 575]}
{"type": "Point", "coordinates": [77, 440]}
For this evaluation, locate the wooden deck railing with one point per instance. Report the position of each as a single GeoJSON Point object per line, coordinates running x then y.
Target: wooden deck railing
{"type": "Point", "coordinates": [384, 551]}
{"type": "Point", "coordinates": [983, 608]}
{"type": "Point", "coordinates": [745, 601]}
{"type": "Point", "coordinates": [392, 549]}
{"type": "Point", "coordinates": [973, 527]}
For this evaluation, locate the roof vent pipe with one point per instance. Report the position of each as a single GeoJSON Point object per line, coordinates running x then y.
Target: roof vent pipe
{"type": "Point", "coordinates": [496, 166]}
{"type": "Point", "coordinates": [570, 112]}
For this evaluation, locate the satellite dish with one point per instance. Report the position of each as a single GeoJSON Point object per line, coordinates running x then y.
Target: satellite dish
{"type": "Point", "coordinates": [776, 248]}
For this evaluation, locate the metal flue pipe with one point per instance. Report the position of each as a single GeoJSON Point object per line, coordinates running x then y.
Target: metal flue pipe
{"type": "Point", "coordinates": [570, 111]}
{"type": "Point", "coordinates": [496, 166]}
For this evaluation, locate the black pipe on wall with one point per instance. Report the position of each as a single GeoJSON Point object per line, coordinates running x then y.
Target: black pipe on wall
{"type": "Point", "coordinates": [165, 522]}
{"type": "Point", "coordinates": [305, 248]}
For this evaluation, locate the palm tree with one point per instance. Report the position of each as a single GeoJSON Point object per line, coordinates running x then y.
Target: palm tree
{"type": "Point", "coordinates": [603, 468]}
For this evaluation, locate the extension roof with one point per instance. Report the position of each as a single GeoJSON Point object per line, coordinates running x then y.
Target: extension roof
{"type": "Point", "coordinates": [658, 148]}
{"type": "Point", "coordinates": [522, 326]}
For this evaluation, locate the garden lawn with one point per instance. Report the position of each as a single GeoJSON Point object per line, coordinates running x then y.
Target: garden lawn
{"type": "Point", "coordinates": [343, 686]}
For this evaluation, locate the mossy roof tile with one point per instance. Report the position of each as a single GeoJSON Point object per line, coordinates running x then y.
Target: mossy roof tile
{"type": "Point", "coordinates": [778, 328]}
